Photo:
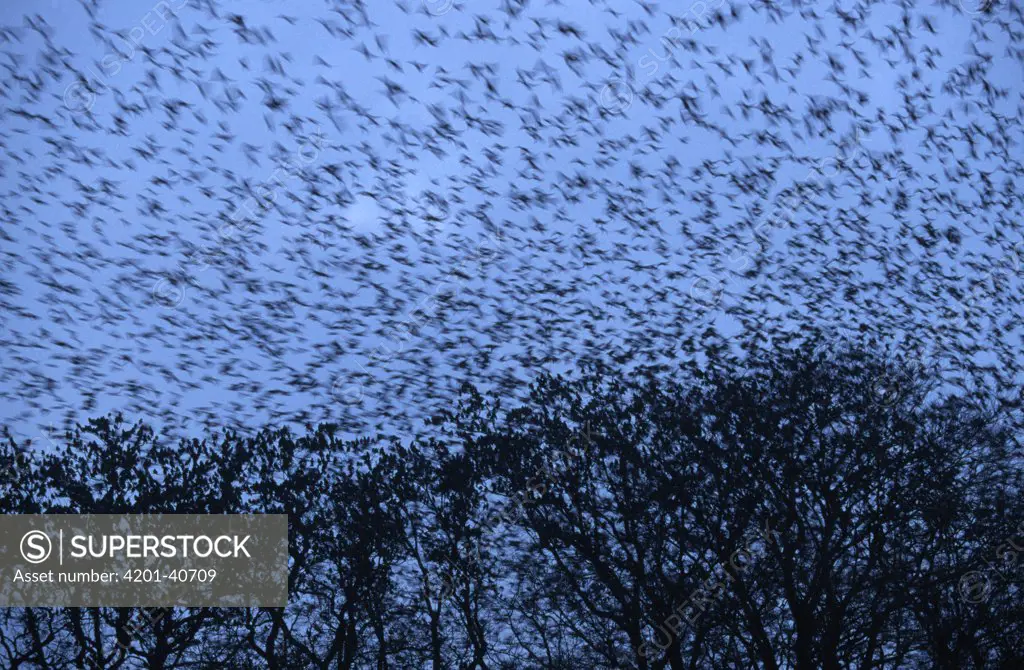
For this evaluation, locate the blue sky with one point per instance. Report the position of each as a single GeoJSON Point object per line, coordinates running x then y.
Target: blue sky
{"type": "Point", "coordinates": [540, 165]}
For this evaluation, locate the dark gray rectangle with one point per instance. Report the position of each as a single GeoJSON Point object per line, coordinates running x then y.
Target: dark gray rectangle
{"type": "Point", "coordinates": [144, 560]}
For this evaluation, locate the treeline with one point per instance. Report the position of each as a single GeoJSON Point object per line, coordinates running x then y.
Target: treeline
{"type": "Point", "coordinates": [812, 510]}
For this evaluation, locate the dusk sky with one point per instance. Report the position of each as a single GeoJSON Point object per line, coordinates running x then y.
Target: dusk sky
{"type": "Point", "coordinates": [512, 334]}
{"type": "Point", "coordinates": [487, 190]}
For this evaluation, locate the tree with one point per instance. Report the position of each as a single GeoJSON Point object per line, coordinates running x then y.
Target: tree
{"type": "Point", "coordinates": [848, 465]}
{"type": "Point", "coordinates": [811, 508]}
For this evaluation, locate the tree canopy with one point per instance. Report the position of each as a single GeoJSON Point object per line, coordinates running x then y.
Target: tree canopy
{"type": "Point", "coordinates": [811, 509]}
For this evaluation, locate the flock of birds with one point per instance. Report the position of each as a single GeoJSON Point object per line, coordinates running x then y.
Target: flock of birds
{"type": "Point", "coordinates": [345, 211]}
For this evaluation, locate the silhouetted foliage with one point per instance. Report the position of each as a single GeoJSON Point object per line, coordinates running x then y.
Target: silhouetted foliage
{"type": "Point", "coordinates": [812, 510]}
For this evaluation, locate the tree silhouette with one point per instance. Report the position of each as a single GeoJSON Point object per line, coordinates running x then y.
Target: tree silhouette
{"type": "Point", "coordinates": [811, 508]}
